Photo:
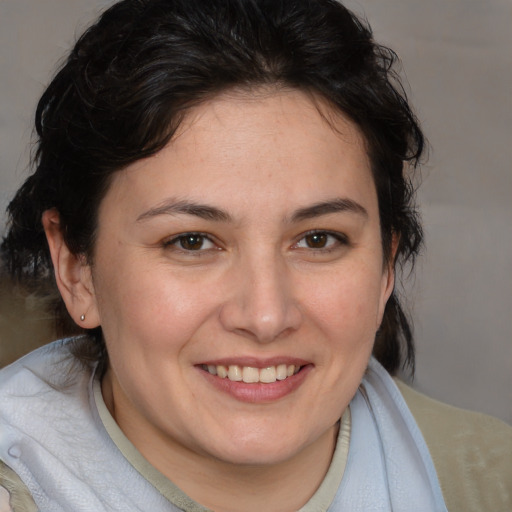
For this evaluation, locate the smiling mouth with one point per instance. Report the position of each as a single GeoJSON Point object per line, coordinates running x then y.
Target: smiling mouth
{"type": "Point", "coordinates": [251, 375]}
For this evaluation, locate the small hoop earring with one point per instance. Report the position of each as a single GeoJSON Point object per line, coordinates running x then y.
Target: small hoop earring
{"type": "Point", "coordinates": [82, 317]}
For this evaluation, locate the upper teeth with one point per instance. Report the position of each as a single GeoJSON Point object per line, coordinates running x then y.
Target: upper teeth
{"type": "Point", "coordinates": [250, 374]}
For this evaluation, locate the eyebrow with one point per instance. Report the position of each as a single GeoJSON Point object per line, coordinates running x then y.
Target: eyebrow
{"type": "Point", "coordinates": [332, 206]}
{"type": "Point", "coordinates": [207, 212]}
{"type": "Point", "coordinates": [173, 207]}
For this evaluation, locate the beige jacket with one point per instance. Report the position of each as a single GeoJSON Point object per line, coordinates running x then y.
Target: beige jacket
{"type": "Point", "coordinates": [472, 454]}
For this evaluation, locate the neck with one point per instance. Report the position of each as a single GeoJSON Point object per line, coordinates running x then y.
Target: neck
{"type": "Point", "coordinates": [226, 487]}
{"type": "Point", "coordinates": [223, 486]}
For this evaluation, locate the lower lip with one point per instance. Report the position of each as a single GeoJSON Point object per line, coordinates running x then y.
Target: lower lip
{"type": "Point", "coordinates": [258, 392]}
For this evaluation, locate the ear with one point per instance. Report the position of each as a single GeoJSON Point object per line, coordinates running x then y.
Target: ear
{"type": "Point", "coordinates": [388, 278]}
{"type": "Point", "coordinates": [72, 274]}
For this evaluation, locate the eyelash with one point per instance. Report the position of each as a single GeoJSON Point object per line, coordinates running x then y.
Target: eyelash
{"type": "Point", "coordinates": [177, 242]}
{"type": "Point", "coordinates": [340, 240]}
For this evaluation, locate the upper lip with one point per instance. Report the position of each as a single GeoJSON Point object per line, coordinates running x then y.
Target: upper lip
{"type": "Point", "coordinates": [256, 362]}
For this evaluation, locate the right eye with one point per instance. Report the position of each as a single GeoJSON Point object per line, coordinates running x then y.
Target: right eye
{"type": "Point", "coordinates": [322, 241]}
{"type": "Point", "coordinates": [191, 242]}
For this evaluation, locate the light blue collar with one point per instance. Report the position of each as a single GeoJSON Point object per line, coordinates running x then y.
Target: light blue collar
{"type": "Point", "coordinates": [389, 467]}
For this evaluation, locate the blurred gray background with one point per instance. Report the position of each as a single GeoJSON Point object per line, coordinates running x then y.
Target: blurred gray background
{"type": "Point", "coordinates": [457, 60]}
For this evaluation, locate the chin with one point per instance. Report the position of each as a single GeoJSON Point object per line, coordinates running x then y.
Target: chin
{"type": "Point", "coordinates": [256, 457]}
{"type": "Point", "coordinates": [266, 449]}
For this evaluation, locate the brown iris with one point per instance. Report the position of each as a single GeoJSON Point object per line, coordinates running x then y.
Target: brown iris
{"type": "Point", "coordinates": [316, 240]}
{"type": "Point", "coordinates": [192, 242]}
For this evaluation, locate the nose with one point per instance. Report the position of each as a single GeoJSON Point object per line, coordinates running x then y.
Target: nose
{"type": "Point", "coordinates": [261, 304]}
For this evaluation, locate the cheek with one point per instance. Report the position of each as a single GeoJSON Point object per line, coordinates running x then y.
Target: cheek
{"type": "Point", "coordinates": [347, 303]}
{"type": "Point", "coordinates": [151, 308]}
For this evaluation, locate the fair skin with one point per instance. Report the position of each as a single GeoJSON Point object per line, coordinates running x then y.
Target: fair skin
{"type": "Point", "coordinates": [251, 241]}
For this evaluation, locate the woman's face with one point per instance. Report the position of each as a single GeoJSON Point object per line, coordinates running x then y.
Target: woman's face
{"type": "Point", "coordinates": [249, 247]}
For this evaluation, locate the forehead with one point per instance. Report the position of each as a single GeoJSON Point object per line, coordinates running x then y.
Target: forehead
{"type": "Point", "coordinates": [266, 113]}
{"type": "Point", "coordinates": [285, 146]}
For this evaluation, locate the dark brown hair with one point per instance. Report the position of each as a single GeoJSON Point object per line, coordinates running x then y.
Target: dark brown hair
{"type": "Point", "coordinates": [132, 76]}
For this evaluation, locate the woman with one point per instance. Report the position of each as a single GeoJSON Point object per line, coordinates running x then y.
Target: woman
{"type": "Point", "coordinates": [222, 196]}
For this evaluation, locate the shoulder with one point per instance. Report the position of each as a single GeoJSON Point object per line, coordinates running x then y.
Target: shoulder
{"type": "Point", "coordinates": [48, 380]}
{"type": "Point", "coordinates": [14, 495]}
{"type": "Point", "coordinates": [472, 453]}
{"type": "Point", "coordinates": [53, 364]}
{"type": "Point", "coordinates": [44, 401]}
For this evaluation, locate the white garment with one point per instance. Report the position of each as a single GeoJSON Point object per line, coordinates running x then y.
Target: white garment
{"type": "Point", "coordinates": [389, 467]}
{"type": "Point", "coordinates": [52, 436]}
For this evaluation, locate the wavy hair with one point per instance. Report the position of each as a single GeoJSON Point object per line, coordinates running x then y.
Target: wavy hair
{"type": "Point", "coordinates": [131, 78]}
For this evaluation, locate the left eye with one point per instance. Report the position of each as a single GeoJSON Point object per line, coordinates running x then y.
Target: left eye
{"type": "Point", "coordinates": [320, 240]}
{"type": "Point", "coordinates": [191, 242]}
